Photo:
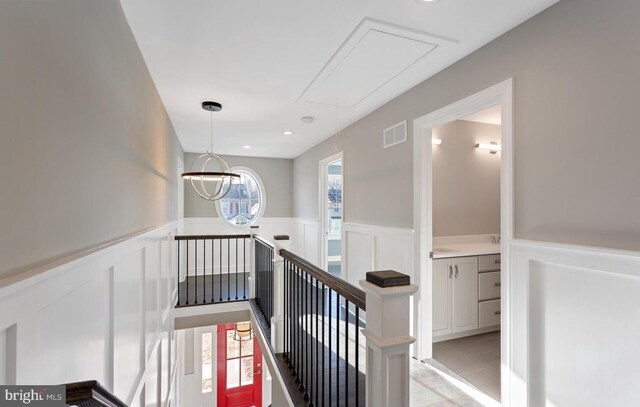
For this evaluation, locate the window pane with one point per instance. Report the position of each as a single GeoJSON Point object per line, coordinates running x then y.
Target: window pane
{"type": "Point", "coordinates": [242, 204]}
{"type": "Point", "coordinates": [207, 384]}
{"type": "Point", "coordinates": [233, 346]}
{"type": "Point", "coordinates": [233, 373]}
{"type": "Point", "coordinates": [247, 347]}
{"type": "Point", "coordinates": [247, 371]}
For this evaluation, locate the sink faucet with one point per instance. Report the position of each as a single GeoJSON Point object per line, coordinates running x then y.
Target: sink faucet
{"type": "Point", "coordinates": [495, 240]}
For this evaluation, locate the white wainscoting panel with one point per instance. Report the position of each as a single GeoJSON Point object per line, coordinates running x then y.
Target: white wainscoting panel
{"type": "Point", "coordinates": [100, 316]}
{"type": "Point", "coordinates": [575, 326]}
{"type": "Point", "coordinates": [370, 248]}
{"type": "Point", "coordinates": [307, 240]}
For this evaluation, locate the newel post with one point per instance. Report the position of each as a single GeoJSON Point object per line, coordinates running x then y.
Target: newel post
{"type": "Point", "coordinates": [388, 340]}
{"type": "Point", "coordinates": [277, 321]}
{"type": "Point", "coordinates": [253, 231]}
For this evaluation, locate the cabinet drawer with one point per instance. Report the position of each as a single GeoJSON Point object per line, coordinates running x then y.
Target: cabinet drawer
{"type": "Point", "coordinates": [489, 263]}
{"type": "Point", "coordinates": [489, 313]}
{"type": "Point", "coordinates": [488, 286]}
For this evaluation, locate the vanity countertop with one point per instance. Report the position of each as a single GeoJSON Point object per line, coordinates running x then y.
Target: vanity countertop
{"type": "Point", "coordinates": [465, 249]}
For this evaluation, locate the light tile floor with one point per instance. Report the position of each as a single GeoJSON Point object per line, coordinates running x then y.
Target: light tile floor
{"type": "Point", "coordinates": [429, 389]}
{"type": "Point", "coordinates": [475, 359]}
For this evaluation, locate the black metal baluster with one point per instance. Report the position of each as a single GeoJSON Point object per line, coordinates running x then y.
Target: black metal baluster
{"type": "Point", "coordinates": [301, 370]}
{"type": "Point", "coordinates": [346, 352]}
{"type": "Point", "coordinates": [244, 268]}
{"type": "Point", "coordinates": [300, 331]}
{"type": "Point", "coordinates": [306, 336]}
{"type": "Point", "coordinates": [305, 352]}
{"type": "Point", "coordinates": [266, 286]}
{"type": "Point", "coordinates": [337, 349]}
{"type": "Point", "coordinates": [323, 347]}
{"type": "Point", "coordinates": [178, 283]}
{"type": "Point", "coordinates": [357, 356]}
{"type": "Point", "coordinates": [330, 368]}
{"type": "Point", "coordinates": [292, 333]}
{"type": "Point", "coordinates": [228, 269]}
{"type": "Point", "coordinates": [296, 290]}
{"type": "Point", "coordinates": [187, 279]}
{"type": "Point", "coordinates": [236, 268]}
{"type": "Point", "coordinates": [284, 311]}
{"type": "Point", "coordinates": [292, 311]}
{"type": "Point", "coordinates": [318, 370]}
{"type": "Point", "coordinates": [213, 270]}
{"type": "Point", "coordinates": [204, 271]}
{"type": "Point", "coordinates": [220, 267]}
{"type": "Point", "coordinates": [195, 260]}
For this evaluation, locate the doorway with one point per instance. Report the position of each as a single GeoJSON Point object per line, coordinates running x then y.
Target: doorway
{"type": "Point", "coordinates": [465, 256]}
{"type": "Point", "coordinates": [430, 271]}
{"type": "Point", "coordinates": [239, 361]}
{"type": "Point", "coordinates": [331, 204]}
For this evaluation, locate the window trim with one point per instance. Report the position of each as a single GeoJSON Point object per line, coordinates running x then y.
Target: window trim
{"type": "Point", "coordinates": [262, 194]}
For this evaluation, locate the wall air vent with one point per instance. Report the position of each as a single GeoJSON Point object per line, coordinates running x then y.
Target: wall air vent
{"type": "Point", "coordinates": [395, 134]}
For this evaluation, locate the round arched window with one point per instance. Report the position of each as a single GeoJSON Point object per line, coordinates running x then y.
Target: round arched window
{"type": "Point", "coordinates": [245, 202]}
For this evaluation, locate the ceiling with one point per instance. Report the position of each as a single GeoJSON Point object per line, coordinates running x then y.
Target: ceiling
{"type": "Point", "coordinates": [271, 62]}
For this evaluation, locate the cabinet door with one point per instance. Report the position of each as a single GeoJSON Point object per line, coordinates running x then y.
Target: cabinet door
{"type": "Point", "coordinates": [442, 298]}
{"type": "Point", "coordinates": [465, 294]}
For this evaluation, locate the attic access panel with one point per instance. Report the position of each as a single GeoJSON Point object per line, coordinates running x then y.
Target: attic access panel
{"type": "Point", "coordinates": [374, 54]}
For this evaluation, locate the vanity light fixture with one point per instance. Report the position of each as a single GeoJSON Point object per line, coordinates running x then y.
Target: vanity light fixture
{"type": "Point", "coordinates": [493, 147]}
{"type": "Point", "coordinates": [436, 141]}
{"type": "Point", "coordinates": [201, 176]}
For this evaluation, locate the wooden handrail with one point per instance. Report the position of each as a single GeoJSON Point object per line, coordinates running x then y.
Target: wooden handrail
{"type": "Point", "coordinates": [91, 394]}
{"type": "Point", "coordinates": [211, 237]}
{"type": "Point", "coordinates": [350, 292]}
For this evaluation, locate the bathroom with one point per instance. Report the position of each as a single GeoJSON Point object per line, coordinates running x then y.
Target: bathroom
{"type": "Point", "coordinates": [466, 260]}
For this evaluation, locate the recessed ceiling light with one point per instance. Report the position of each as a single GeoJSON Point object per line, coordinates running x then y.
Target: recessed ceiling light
{"type": "Point", "coordinates": [287, 132]}
{"type": "Point", "coordinates": [307, 119]}
{"type": "Point", "coordinates": [247, 147]}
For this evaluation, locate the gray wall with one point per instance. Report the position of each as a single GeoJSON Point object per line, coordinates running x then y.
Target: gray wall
{"type": "Point", "coordinates": [88, 153]}
{"type": "Point", "coordinates": [575, 67]}
{"type": "Point", "coordinates": [276, 175]}
{"type": "Point", "coordinates": [466, 180]}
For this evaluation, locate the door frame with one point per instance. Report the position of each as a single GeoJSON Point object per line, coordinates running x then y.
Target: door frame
{"type": "Point", "coordinates": [499, 94]}
{"type": "Point", "coordinates": [322, 230]}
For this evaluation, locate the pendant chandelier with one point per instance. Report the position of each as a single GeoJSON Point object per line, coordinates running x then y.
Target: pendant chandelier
{"type": "Point", "coordinates": [209, 174]}
{"type": "Point", "coordinates": [243, 331]}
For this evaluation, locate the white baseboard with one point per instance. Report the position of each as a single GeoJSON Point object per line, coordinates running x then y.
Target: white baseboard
{"type": "Point", "coordinates": [471, 332]}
